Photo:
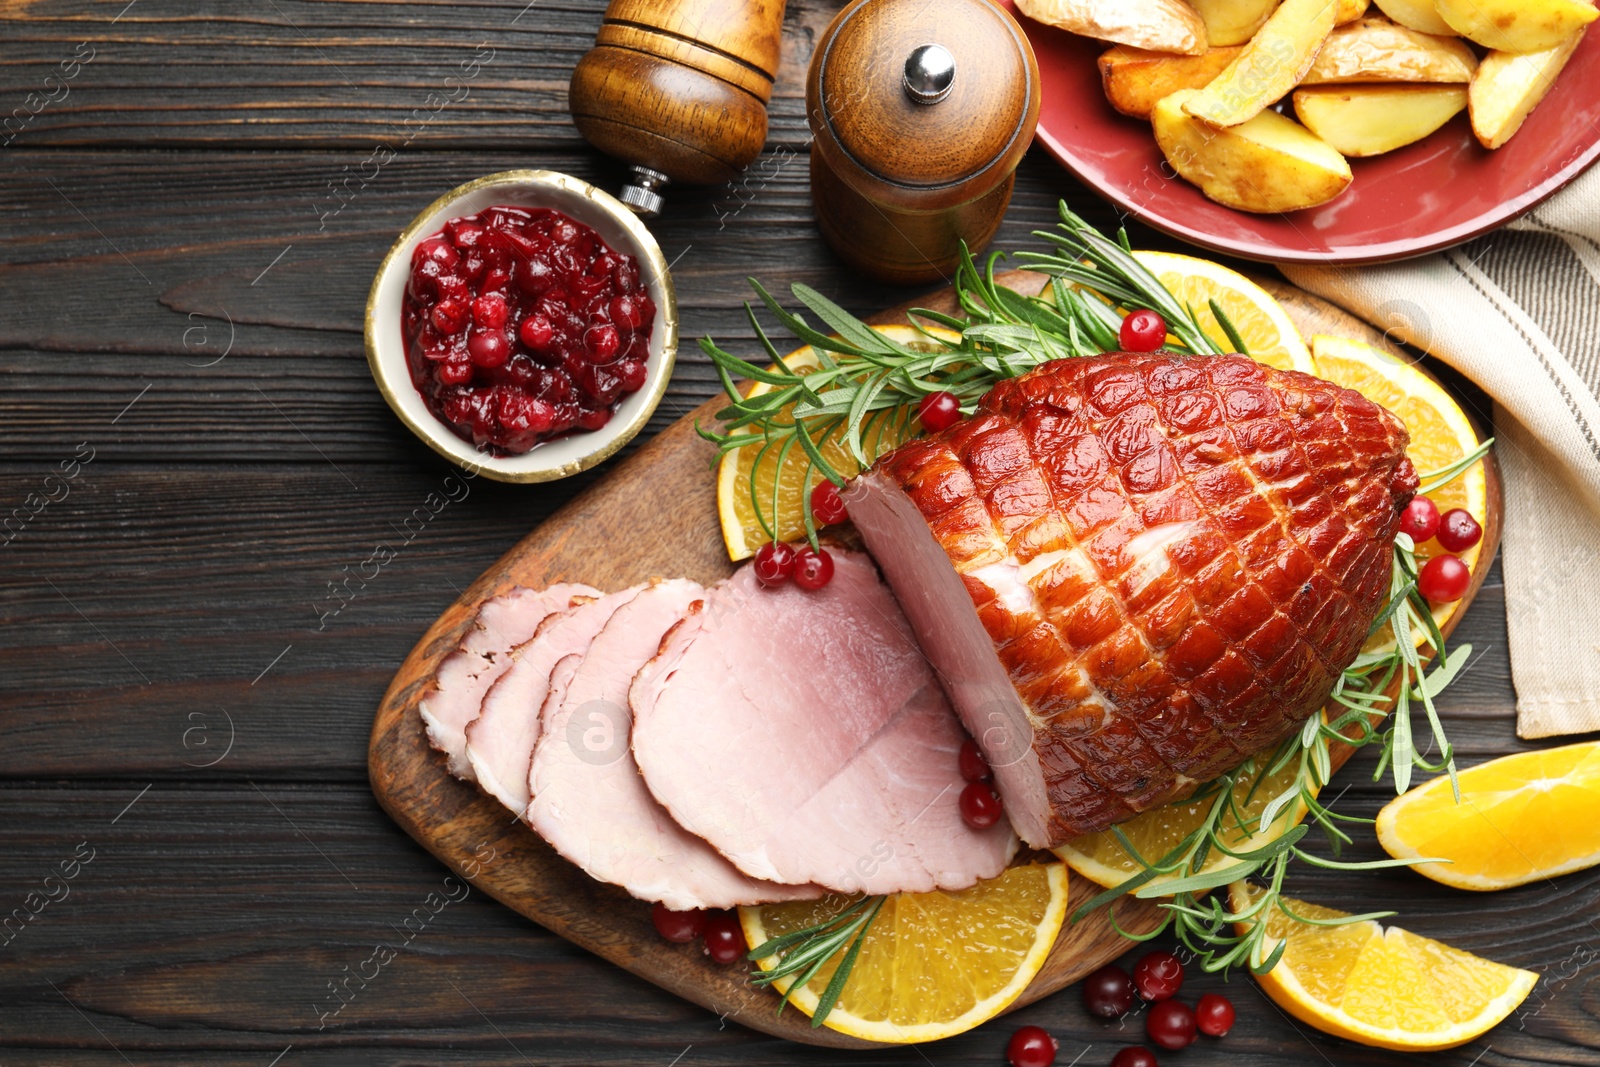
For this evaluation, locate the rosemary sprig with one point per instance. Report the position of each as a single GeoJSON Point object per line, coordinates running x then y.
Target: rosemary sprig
{"type": "Point", "coordinates": [804, 952]}
{"type": "Point", "coordinates": [864, 383]}
{"type": "Point", "coordinates": [863, 390]}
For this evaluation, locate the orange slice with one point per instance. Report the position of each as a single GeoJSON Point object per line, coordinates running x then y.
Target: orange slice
{"type": "Point", "coordinates": [1522, 818]}
{"type": "Point", "coordinates": [1382, 986]}
{"type": "Point", "coordinates": [932, 965]}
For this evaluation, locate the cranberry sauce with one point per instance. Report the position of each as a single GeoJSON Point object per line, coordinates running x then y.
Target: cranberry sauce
{"type": "Point", "coordinates": [522, 324]}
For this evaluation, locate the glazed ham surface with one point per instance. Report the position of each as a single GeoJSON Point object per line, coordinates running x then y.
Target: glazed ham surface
{"type": "Point", "coordinates": [1132, 572]}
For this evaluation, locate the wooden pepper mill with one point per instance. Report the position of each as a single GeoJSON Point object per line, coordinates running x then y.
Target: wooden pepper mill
{"type": "Point", "coordinates": [920, 113]}
{"type": "Point", "coordinates": [678, 89]}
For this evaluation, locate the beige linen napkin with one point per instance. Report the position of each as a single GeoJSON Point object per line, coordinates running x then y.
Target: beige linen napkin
{"type": "Point", "coordinates": [1518, 312]}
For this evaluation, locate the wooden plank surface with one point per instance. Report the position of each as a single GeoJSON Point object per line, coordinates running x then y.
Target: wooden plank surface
{"type": "Point", "coordinates": [183, 184]}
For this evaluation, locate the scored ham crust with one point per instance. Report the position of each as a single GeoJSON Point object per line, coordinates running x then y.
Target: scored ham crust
{"type": "Point", "coordinates": [1161, 566]}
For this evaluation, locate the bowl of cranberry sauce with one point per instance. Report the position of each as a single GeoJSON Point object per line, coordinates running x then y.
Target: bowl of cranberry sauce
{"type": "Point", "coordinates": [524, 326]}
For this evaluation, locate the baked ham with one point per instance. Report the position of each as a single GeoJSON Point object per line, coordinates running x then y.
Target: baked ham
{"type": "Point", "coordinates": [589, 802]}
{"type": "Point", "coordinates": [500, 740]}
{"type": "Point", "coordinates": [465, 675]}
{"type": "Point", "coordinates": [804, 736]}
{"type": "Point", "coordinates": [1132, 572]}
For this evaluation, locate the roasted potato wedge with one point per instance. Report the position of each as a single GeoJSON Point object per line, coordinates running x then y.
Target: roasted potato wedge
{"type": "Point", "coordinates": [1377, 50]}
{"type": "Point", "coordinates": [1135, 79]}
{"type": "Point", "coordinates": [1369, 120]}
{"type": "Point", "coordinates": [1266, 164]}
{"type": "Point", "coordinates": [1517, 25]}
{"type": "Point", "coordinates": [1350, 10]}
{"type": "Point", "coordinates": [1230, 22]}
{"type": "Point", "coordinates": [1159, 25]}
{"type": "Point", "coordinates": [1419, 15]}
{"type": "Point", "coordinates": [1508, 86]}
{"type": "Point", "coordinates": [1271, 64]}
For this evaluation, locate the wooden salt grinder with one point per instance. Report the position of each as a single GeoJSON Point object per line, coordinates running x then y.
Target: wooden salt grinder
{"type": "Point", "coordinates": [678, 89]}
{"type": "Point", "coordinates": [920, 114]}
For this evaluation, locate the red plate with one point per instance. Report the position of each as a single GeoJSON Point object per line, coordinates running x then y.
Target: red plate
{"type": "Point", "coordinates": [1436, 193]}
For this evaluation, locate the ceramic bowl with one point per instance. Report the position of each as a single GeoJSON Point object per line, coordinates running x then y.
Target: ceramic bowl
{"type": "Point", "coordinates": [618, 227]}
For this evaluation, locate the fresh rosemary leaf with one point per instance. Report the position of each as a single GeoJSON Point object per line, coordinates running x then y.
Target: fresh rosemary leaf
{"type": "Point", "coordinates": [1228, 328]}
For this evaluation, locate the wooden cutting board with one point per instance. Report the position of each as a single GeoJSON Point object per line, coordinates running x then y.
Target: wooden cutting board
{"type": "Point", "coordinates": [655, 515]}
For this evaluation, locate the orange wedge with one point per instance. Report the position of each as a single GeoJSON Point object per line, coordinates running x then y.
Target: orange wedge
{"type": "Point", "coordinates": [1522, 818]}
{"type": "Point", "coordinates": [1382, 986]}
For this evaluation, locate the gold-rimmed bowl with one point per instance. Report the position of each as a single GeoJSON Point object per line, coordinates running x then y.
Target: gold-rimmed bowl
{"type": "Point", "coordinates": [619, 227]}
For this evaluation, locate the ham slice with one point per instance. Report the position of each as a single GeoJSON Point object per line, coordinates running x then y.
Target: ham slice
{"type": "Point", "coordinates": [589, 802]}
{"type": "Point", "coordinates": [500, 740]}
{"type": "Point", "coordinates": [466, 674]}
{"type": "Point", "coordinates": [804, 736]}
{"type": "Point", "coordinates": [1134, 571]}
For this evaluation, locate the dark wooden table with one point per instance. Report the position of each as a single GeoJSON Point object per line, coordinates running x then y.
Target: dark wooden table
{"type": "Point", "coordinates": [194, 203]}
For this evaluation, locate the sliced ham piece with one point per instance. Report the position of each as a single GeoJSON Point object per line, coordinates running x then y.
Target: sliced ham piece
{"type": "Point", "coordinates": [589, 802]}
{"type": "Point", "coordinates": [804, 736]}
{"type": "Point", "coordinates": [500, 740]}
{"type": "Point", "coordinates": [466, 674]}
{"type": "Point", "coordinates": [1133, 572]}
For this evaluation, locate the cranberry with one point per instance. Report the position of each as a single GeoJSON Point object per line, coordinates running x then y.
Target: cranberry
{"type": "Point", "coordinates": [603, 342]}
{"type": "Point", "coordinates": [813, 568]}
{"type": "Point", "coordinates": [522, 414]}
{"type": "Point", "coordinates": [677, 926]}
{"type": "Point", "coordinates": [625, 312]}
{"type": "Point", "coordinates": [1213, 1016]}
{"type": "Point", "coordinates": [974, 768]}
{"type": "Point", "coordinates": [495, 280]}
{"type": "Point", "coordinates": [1031, 1046]}
{"type": "Point", "coordinates": [455, 371]}
{"type": "Point", "coordinates": [1158, 975]}
{"type": "Point", "coordinates": [536, 332]}
{"type": "Point", "coordinates": [774, 563]}
{"type": "Point", "coordinates": [1170, 1024]}
{"type": "Point", "coordinates": [627, 274]}
{"type": "Point", "coordinates": [449, 316]}
{"type": "Point", "coordinates": [939, 411]}
{"type": "Point", "coordinates": [464, 233]}
{"type": "Point", "coordinates": [534, 277]}
{"type": "Point", "coordinates": [827, 506]}
{"type": "Point", "coordinates": [454, 287]}
{"type": "Point", "coordinates": [593, 418]}
{"type": "Point", "coordinates": [1143, 331]}
{"type": "Point", "coordinates": [1458, 530]}
{"type": "Point", "coordinates": [425, 280]}
{"type": "Point", "coordinates": [552, 385]}
{"type": "Point", "coordinates": [488, 348]}
{"type": "Point", "coordinates": [489, 312]}
{"type": "Point", "coordinates": [724, 938]}
{"type": "Point", "coordinates": [633, 373]}
{"type": "Point", "coordinates": [1420, 520]}
{"type": "Point", "coordinates": [438, 250]}
{"type": "Point", "coordinates": [1443, 579]}
{"type": "Point", "coordinates": [1134, 1056]}
{"type": "Point", "coordinates": [980, 805]}
{"type": "Point", "coordinates": [1109, 992]}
